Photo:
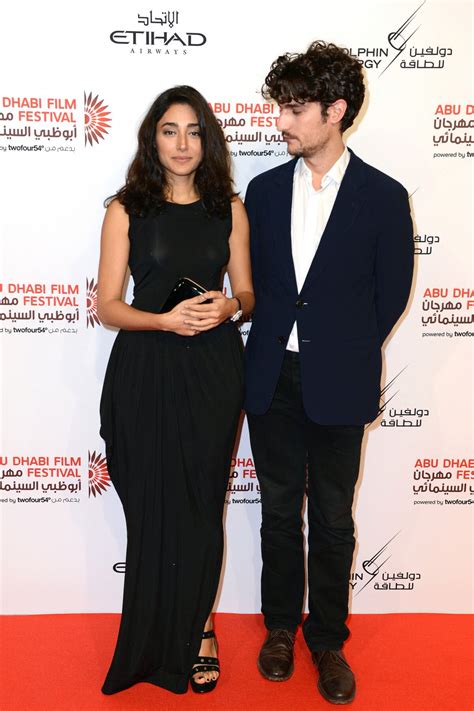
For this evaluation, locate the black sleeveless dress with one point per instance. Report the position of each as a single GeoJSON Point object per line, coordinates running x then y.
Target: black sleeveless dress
{"type": "Point", "coordinates": [169, 414]}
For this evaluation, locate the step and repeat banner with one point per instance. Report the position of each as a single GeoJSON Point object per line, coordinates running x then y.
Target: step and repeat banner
{"type": "Point", "coordinates": [75, 84]}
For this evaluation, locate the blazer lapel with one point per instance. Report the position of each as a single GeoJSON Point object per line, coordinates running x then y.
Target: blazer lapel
{"type": "Point", "coordinates": [281, 221]}
{"type": "Point", "coordinates": [350, 197]}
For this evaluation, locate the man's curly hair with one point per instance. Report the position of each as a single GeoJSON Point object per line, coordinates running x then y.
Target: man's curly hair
{"type": "Point", "coordinates": [324, 73]}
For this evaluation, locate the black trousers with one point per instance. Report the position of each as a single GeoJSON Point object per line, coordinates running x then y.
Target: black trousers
{"type": "Point", "coordinates": [293, 454]}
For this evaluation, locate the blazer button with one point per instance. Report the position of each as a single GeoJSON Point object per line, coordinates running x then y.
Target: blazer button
{"type": "Point", "coordinates": [281, 339]}
{"type": "Point", "coordinates": [300, 303]}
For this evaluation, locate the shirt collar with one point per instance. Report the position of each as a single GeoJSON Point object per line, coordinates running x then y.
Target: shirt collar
{"type": "Point", "coordinates": [335, 174]}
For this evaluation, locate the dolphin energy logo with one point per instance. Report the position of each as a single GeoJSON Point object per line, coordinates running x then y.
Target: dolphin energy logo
{"type": "Point", "coordinates": [386, 397]}
{"type": "Point", "coordinates": [394, 50]}
{"type": "Point", "coordinates": [99, 480]}
{"type": "Point", "coordinates": [96, 119]}
{"type": "Point", "coordinates": [375, 574]}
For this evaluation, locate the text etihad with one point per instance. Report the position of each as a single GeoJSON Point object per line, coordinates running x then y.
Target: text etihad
{"type": "Point", "coordinates": [191, 39]}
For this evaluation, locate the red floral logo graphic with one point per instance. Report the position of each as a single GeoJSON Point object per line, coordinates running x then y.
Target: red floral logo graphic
{"type": "Point", "coordinates": [96, 119]}
{"type": "Point", "coordinates": [91, 304]}
{"type": "Point", "coordinates": [99, 479]}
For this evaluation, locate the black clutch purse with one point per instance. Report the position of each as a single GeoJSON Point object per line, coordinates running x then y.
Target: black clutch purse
{"type": "Point", "coordinates": [183, 289]}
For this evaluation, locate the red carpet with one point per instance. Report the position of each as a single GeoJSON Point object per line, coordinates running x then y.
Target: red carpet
{"type": "Point", "coordinates": [402, 663]}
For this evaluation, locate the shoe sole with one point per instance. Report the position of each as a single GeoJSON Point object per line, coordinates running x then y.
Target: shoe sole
{"type": "Point", "coordinates": [275, 678]}
{"type": "Point", "coordinates": [205, 690]}
{"type": "Point", "coordinates": [332, 700]}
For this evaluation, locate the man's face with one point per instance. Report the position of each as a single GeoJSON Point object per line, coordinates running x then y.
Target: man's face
{"type": "Point", "coordinates": [304, 129]}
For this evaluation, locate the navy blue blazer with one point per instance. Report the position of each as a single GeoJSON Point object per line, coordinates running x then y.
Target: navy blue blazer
{"type": "Point", "coordinates": [356, 290]}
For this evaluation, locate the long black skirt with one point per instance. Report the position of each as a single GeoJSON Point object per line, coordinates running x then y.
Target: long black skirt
{"type": "Point", "coordinates": [169, 413]}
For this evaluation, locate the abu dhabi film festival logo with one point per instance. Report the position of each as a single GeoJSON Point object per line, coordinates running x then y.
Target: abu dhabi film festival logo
{"type": "Point", "coordinates": [451, 308]}
{"type": "Point", "coordinates": [43, 308]}
{"type": "Point", "coordinates": [91, 304]}
{"type": "Point", "coordinates": [450, 125]}
{"type": "Point", "coordinates": [52, 123]}
{"type": "Point", "coordinates": [383, 580]}
{"type": "Point", "coordinates": [396, 52]}
{"type": "Point", "coordinates": [99, 479]}
{"type": "Point", "coordinates": [97, 120]}
{"type": "Point", "coordinates": [447, 476]}
{"type": "Point", "coordinates": [157, 33]}
{"type": "Point", "coordinates": [51, 478]}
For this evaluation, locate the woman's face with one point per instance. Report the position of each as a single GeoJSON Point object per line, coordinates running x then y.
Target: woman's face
{"type": "Point", "coordinates": [178, 141]}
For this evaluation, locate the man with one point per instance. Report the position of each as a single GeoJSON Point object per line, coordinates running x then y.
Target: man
{"type": "Point", "coordinates": [332, 259]}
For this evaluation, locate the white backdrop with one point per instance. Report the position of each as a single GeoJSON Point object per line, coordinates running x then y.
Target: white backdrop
{"type": "Point", "coordinates": [79, 80]}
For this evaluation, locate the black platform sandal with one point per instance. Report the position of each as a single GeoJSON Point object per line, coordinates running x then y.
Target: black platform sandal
{"type": "Point", "coordinates": [205, 664]}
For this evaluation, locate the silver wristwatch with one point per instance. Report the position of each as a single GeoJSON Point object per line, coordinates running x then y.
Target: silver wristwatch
{"type": "Point", "coordinates": [238, 313]}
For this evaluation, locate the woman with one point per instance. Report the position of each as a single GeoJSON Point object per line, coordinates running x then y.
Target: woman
{"type": "Point", "coordinates": [173, 388]}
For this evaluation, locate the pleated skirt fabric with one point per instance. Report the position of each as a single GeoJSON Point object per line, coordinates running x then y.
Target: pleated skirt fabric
{"type": "Point", "coordinates": [169, 413]}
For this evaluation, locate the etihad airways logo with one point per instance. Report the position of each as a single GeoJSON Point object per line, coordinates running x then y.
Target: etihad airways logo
{"type": "Point", "coordinates": [157, 34]}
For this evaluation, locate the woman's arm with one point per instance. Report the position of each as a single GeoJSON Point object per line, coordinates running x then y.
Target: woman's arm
{"type": "Point", "coordinates": [203, 317]}
{"type": "Point", "coordinates": [112, 310]}
{"type": "Point", "coordinates": [239, 269]}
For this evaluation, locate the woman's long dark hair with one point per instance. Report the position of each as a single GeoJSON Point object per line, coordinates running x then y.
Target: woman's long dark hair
{"type": "Point", "coordinates": [145, 187]}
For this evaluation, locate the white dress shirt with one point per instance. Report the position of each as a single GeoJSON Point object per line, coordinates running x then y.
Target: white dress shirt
{"type": "Point", "coordinates": [310, 213]}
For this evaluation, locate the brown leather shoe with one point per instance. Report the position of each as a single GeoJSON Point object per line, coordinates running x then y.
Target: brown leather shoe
{"type": "Point", "coordinates": [275, 661]}
{"type": "Point", "coordinates": [336, 681]}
